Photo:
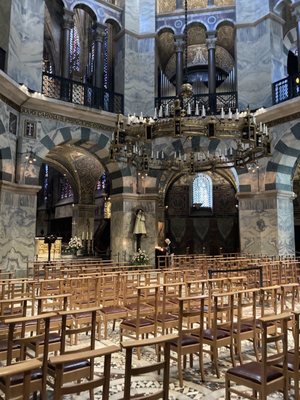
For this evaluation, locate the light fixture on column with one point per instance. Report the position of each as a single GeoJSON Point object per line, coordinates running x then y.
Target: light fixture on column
{"type": "Point", "coordinates": [30, 157]}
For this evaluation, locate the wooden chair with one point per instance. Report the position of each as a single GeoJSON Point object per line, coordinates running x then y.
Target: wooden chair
{"type": "Point", "coordinates": [83, 369]}
{"type": "Point", "coordinates": [17, 336]}
{"type": "Point", "coordinates": [109, 299]}
{"type": "Point", "coordinates": [60, 363]}
{"type": "Point", "coordinates": [161, 341]}
{"type": "Point", "coordinates": [244, 320]}
{"type": "Point", "coordinates": [138, 325]}
{"type": "Point", "coordinates": [219, 332]}
{"type": "Point", "coordinates": [23, 388]}
{"type": "Point", "coordinates": [263, 377]}
{"type": "Point", "coordinates": [190, 340]}
{"type": "Point", "coordinates": [293, 357]}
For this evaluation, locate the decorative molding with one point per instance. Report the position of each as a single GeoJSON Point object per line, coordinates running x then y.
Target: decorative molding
{"type": "Point", "coordinates": [9, 103]}
{"type": "Point", "coordinates": [73, 121]}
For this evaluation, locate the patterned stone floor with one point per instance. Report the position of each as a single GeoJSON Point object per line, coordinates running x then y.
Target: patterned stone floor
{"type": "Point", "coordinates": [193, 388]}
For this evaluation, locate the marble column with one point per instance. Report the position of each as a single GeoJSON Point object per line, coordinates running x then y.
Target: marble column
{"type": "Point", "coordinates": [99, 34]}
{"type": "Point", "coordinates": [179, 46]}
{"type": "Point", "coordinates": [296, 13]}
{"type": "Point", "coordinates": [211, 47]}
{"type": "Point", "coordinates": [23, 34]}
{"type": "Point", "coordinates": [179, 4]}
{"type": "Point", "coordinates": [67, 25]}
{"type": "Point", "coordinates": [267, 223]}
{"type": "Point", "coordinates": [123, 240]}
{"type": "Point", "coordinates": [83, 225]}
{"type": "Point", "coordinates": [259, 52]}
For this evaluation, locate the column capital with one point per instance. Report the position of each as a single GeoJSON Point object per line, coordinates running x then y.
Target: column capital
{"type": "Point", "coordinates": [99, 32]}
{"type": "Point", "coordinates": [68, 19]}
{"type": "Point", "coordinates": [179, 42]}
{"type": "Point", "coordinates": [211, 39]}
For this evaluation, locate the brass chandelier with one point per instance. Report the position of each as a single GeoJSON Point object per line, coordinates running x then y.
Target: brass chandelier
{"type": "Point", "coordinates": [240, 139]}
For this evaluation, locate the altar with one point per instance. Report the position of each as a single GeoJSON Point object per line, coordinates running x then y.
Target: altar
{"type": "Point", "coordinates": [41, 249]}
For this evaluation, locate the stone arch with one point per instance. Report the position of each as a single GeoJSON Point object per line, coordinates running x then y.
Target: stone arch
{"type": "Point", "coordinates": [86, 6]}
{"type": "Point", "coordinates": [114, 22]}
{"type": "Point", "coordinates": [280, 168]}
{"type": "Point", "coordinates": [164, 29]}
{"type": "Point", "coordinates": [93, 142]}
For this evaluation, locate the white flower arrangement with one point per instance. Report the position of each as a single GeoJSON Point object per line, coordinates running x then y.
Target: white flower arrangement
{"type": "Point", "coordinates": [140, 258]}
{"type": "Point", "coordinates": [75, 243]}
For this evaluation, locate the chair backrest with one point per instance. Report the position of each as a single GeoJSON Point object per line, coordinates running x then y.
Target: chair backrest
{"type": "Point", "coordinates": [130, 371]}
{"type": "Point", "coordinates": [277, 339]}
{"type": "Point", "coordinates": [92, 380]}
{"type": "Point", "coordinates": [24, 368]}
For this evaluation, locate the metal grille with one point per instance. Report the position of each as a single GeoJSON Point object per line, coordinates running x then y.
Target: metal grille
{"type": "Point", "coordinates": [214, 102]}
{"type": "Point", "coordinates": [286, 89]}
{"type": "Point", "coordinates": [80, 93]}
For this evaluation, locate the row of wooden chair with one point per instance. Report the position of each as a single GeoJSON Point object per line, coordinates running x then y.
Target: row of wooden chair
{"type": "Point", "coordinates": [24, 375]}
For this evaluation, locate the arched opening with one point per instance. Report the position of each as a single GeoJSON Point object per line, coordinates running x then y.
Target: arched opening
{"type": "Point", "coordinates": [201, 214]}
{"type": "Point", "coordinates": [73, 200]}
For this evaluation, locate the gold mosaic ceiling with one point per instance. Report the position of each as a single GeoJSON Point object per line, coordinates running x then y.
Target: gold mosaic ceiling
{"type": "Point", "coordinates": [167, 6]}
{"type": "Point", "coordinates": [197, 51]}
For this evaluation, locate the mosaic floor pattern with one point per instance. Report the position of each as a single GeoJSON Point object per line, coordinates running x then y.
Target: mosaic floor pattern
{"type": "Point", "coordinates": [193, 388]}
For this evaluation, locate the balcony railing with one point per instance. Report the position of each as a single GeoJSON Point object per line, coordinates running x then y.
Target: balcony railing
{"type": "Point", "coordinates": [80, 93]}
{"type": "Point", "coordinates": [286, 89]}
{"type": "Point", "coordinates": [213, 103]}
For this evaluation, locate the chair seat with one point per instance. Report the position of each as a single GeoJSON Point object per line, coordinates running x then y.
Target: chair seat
{"type": "Point", "coordinates": [290, 362]}
{"type": "Point", "coordinates": [4, 346]}
{"type": "Point", "coordinates": [134, 322]}
{"type": "Point", "coordinates": [19, 378]}
{"type": "Point", "coordinates": [253, 371]}
{"type": "Point", "coordinates": [166, 318]}
{"type": "Point", "coordinates": [244, 327]}
{"type": "Point", "coordinates": [113, 310]}
{"type": "Point", "coordinates": [53, 338]}
{"type": "Point", "coordinates": [209, 334]}
{"type": "Point", "coordinates": [70, 366]}
{"type": "Point", "coordinates": [187, 340]}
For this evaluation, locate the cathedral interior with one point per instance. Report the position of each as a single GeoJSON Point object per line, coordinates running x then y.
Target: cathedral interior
{"type": "Point", "coordinates": [187, 110]}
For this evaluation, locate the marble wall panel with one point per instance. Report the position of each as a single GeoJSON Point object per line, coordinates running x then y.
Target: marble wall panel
{"type": "Point", "coordinates": [286, 233]}
{"type": "Point", "coordinates": [7, 142]}
{"type": "Point", "coordinates": [25, 53]}
{"type": "Point", "coordinates": [147, 16]}
{"type": "Point", "coordinates": [267, 224]}
{"type": "Point", "coordinates": [258, 232]}
{"type": "Point", "coordinates": [251, 11]}
{"type": "Point", "coordinates": [17, 230]}
{"type": "Point", "coordinates": [139, 75]}
{"type": "Point", "coordinates": [131, 15]}
{"type": "Point", "coordinates": [254, 65]}
{"type": "Point", "coordinates": [5, 7]}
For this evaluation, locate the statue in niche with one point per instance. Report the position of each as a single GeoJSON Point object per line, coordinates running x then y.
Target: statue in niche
{"type": "Point", "coordinates": [139, 228]}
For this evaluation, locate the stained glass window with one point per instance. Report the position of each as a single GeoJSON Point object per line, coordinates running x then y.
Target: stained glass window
{"type": "Point", "coordinates": [65, 188]}
{"type": "Point", "coordinates": [74, 50]}
{"type": "Point", "coordinates": [202, 190]}
{"type": "Point", "coordinates": [102, 184]}
{"type": "Point", "coordinates": [46, 182]}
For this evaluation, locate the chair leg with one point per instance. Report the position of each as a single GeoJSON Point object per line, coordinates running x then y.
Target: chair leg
{"type": "Point", "coordinates": [91, 391]}
{"type": "Point", "coordinates": [215, 360]}
{"type": "Point", "coordinates": [227, 388]}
